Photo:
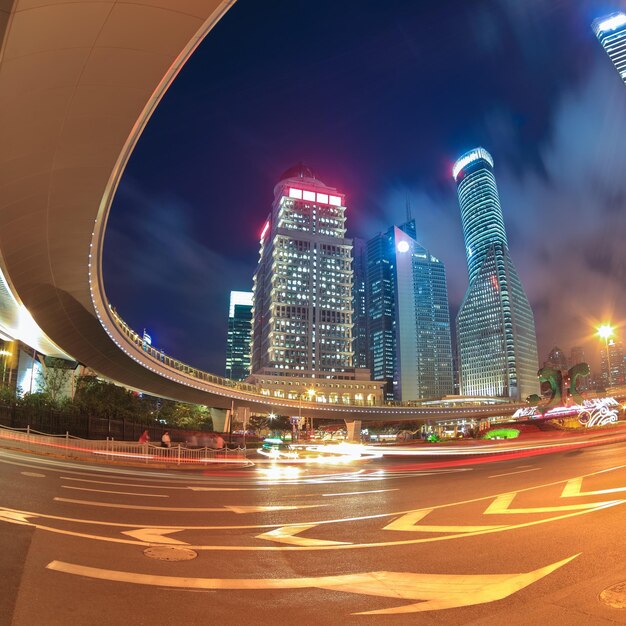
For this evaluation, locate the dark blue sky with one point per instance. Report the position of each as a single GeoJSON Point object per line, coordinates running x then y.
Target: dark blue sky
{"type": "Point", "coordinates": [379, 99]}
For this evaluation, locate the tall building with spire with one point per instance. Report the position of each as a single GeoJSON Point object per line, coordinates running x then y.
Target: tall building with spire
{"type": "Point", "coordinates": [611, 33]}
{"type": "Point", "coordinates": [408, 317]}
{"type": "Point", "coordinates": [495, 325]}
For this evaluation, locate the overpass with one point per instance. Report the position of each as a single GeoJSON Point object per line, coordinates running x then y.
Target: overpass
{"type": "Point", "coordinates": [78, 83]}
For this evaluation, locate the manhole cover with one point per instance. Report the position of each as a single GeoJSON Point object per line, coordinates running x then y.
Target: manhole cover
{"type": "Point", "coordinates": [170, 553]}
{"type": "Point", "coordinates": [615, 596]}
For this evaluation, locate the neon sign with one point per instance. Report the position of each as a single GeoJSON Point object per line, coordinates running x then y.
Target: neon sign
{"type": "Point", "coordinates": [595, 412]}
{"type": "Point", "coordinates": [312, 196]}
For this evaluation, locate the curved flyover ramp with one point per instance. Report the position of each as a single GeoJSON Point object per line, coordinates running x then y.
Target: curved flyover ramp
{"type": "Point", "coordinates": [78, 83]}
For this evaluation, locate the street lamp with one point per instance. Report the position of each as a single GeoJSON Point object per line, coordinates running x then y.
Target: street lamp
{"type": "Point", "coordinates": [606, 332]}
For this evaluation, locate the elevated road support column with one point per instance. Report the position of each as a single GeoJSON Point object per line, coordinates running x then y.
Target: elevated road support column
{"type": "Point", "coordinates": [354, 430]}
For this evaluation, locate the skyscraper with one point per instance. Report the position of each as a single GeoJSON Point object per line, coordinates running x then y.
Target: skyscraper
{"type": "Point", "coordinates": [359, 302]}
{"type": "Point", "coordinates": [239, 329]}
{"type": "Point", "coordinates": [612, 362]}
{"type": "Point", "coordinates": [409, 321]}
{"type": "Point", "coordinates": [302, 318]}
{"type": "Point", "coordinates": [556, 359]}
{"type": "Point", "coordinates": [611, 33]}
{"type": "Point", "coordinates": [495, 326]}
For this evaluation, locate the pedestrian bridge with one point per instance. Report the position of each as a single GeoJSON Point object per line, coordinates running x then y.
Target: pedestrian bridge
{"type": "Point", "coordinates": [78, 83]}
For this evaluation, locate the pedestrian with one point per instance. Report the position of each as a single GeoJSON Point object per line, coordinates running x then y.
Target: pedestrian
{"type": "Point", "coordinates": [145, 437]}
{"type": "Point", "coordinates": [166, 441]}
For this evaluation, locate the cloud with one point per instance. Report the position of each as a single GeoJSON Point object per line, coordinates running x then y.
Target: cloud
{"type": "Point", "coordinates": [161, 276]}
{"type": "Point", "coordinates": [572, 220]}
{"type": "Point", "coordinates": [565, 214]}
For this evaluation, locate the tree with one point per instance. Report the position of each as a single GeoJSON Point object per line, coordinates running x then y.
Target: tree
{"type": "Point", "coordinates": [53, 381]}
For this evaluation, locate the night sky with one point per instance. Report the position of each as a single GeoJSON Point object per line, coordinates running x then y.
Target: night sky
{"type": "Point", "coordinates": [379, 99]}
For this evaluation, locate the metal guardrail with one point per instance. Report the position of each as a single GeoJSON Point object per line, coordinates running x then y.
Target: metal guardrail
{"type": "Point", "coordinates": [110, 449]}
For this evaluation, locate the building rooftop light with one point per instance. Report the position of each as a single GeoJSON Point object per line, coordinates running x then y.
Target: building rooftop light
{"type": "Point", "coordinates": [609, 23]}
{"type": "Point", "coordinates": [469, 157]}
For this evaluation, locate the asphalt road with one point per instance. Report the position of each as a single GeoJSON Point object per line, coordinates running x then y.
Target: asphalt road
{"type": "Point", "coordinates": [529, 540]}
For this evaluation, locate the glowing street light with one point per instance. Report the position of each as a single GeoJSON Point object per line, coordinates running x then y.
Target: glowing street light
{"type": "Point", "coordinates": [606, 332]}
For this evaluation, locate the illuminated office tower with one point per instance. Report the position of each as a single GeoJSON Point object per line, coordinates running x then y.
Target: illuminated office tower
{"type": "Point", "coordinates": [239, 329]}
{"type": "Point", "coordinates": [611, 33]}
{"type": "Point", "coordinates": [409, 320]}
{"type": "Point", "coordinates": [495, 326]}
{"type": "Point", "coordinates": [612, 362]}
{"type": "Point", "coordinates": [359, 302]}
{"type": "Point", "coordinates": [557, 359]}
{"type": "Point", "coordinates": [302, 316]}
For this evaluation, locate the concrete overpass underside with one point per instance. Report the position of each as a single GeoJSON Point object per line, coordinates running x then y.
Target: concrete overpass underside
{"type": "Point", "coordinates": [78, 83]}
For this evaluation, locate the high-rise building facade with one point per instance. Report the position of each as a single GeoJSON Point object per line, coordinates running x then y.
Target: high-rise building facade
{"type": "Point", "coordinates": [302, 316]}
{"type": "Point", "coordinates": [556, 359]}
{"type": "Point", "coordinates": [359, 302]}
{"type": "Point", "coordinates": [496, 337]}
{"type": "Point", "coordinates": [409, 322]}
{"type": "Point", "coordinates": [239, 335]}
{"type": "Point", "coordinates": [612, 368]}
{"type": "Point", "coordinates": [611, 33]}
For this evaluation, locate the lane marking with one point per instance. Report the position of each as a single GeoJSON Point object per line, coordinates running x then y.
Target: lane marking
{"type": "Point", "coordinates": [333, 521]}
{"type": "Point", "coordinates": [120, 493]}
{"type": "Point", "coordinates": [434, 591]}
{"type": "Point", "coordinates": [573, 488]}
{"type": "Point", "coordinates": [187, 488]}
{"type": "Point", "coordinates": [534, 469]}
{"type": "Point", "coordinates": [356, 493]}
{"type": "Point", "coordinates": [155, 535]}
{"type": "Point", "coordinates": [501, 506]}
{"type": "Point", "coordinates": [410, 520]}
{"type": "Point", "coordinates": [221, 509]}
{"type": "Point", "coordinates": [286, 534]}
{"type": "Point", "coordinates": [380, 544]}
{"type": "Point", "coordinates": [33, 474]}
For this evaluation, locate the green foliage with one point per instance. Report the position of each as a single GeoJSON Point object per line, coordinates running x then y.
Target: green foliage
{"type": "Point", "coordinates": [182, 415]}
{"type": "Point", "coordinates": [53, 381]}
{"type": "Point", "coordinates": [502, 433]}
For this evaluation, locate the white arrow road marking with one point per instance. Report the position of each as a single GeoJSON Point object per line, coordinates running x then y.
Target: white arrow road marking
{"type": "Point", "coordinates": [155, 535]}
{"type": "Point", "coordinates": [573, 488]}
{"type": "Point", "coordinates": [119, 493]}
{"type": "Point", "coordinates": [285, 534]}
{"type": "Point", "coordinates": [221, 509]}
{"type": "Point", "coordinates": [410, 520]}
{"type": "Point", "coordinates": [502, 502]}
{"type": "Point", "coordinates": [435, 591]}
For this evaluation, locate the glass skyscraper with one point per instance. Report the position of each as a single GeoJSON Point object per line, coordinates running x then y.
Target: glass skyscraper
{"type": "Point", "coordinates": [496, 338]}
{"type": "Point", "coordinates": [611, 33]}
{"type": "Point", "coordinates": [409, 320]}
{"type": "Point", "coordinates": [239, 335]}
{"type": "Point", "coordinates": [359, 298]}
{"type": "Point", "coordinates": [302, 317]}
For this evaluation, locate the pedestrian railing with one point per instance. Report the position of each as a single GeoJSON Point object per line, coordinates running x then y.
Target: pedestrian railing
{"type": "Point", "coordinates": [109, 449]}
